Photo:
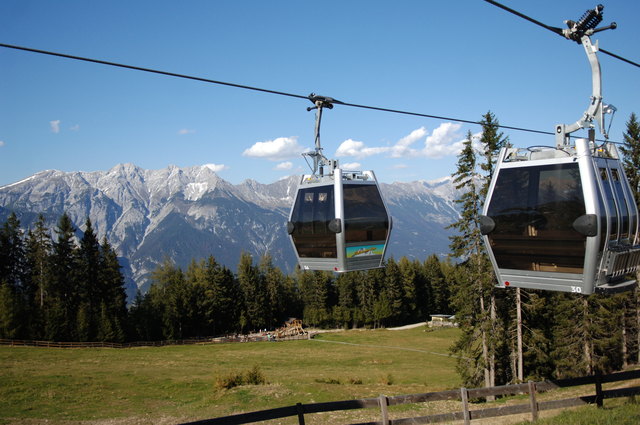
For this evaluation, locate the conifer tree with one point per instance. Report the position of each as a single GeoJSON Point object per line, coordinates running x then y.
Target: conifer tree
{"type": "Point", "coordinates": [367, 290]}
{"type": "Point", "coordinates": [631, 164]}
{"type": "Point", "coordinates": [254, 292]}
{"type": "Point", "coordinates": [344, 313]}
{"type": "Point", "coordinates": [223, 294]}
{"type": "Point", "coordinates": [12, 253]}
{"type": "Point", "coordinates": [37, 277]}
{"type": "Point", "coordinates": [10, 314]}
{"type": "Point", "coordinates": [440, 287]}
{"type": "Point", "coordinates": [64, 288]}
{"type": "Point", "coordinates": [393, 296]}
{"type": "Point", "coordinates": [112, 294]}
{"type": "Point", "coordinates": [631, 152]}
{"type": "Point", "coordinates": [89, 286]}
{"type": "Point", "coordinates": [275, 294]}
{"type": "Point", "coordinates": [168, 299]}
{"type": "Point", "coordinates": [491, 140]}
{"type": "Point", "coordinates": [415, 293]}
{"type": "Point", "coordinates": [12, 276]}
{"type": "Point", "coordinates": [316, 291]}
{"type": "Point", "coordinates": [466, 244]}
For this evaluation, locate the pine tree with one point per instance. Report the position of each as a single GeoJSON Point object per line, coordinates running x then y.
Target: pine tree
{"type": "Point", "coordinates": [316, 291]}
{"type": "Point", "coordinates": [367, 289]}
{"type": "Point", "coordinates": [275, 295]}
{"type": "Point", "coordinates": [467, 244]}
{"type": "Point", "coordinates": [491, 140]}
{"type": "Point", "coordinates": [37, 255]}
{"type": "Point", "coordinates": [64, 288]}
{"type": "Point", "coordinates": [168, 300]}
{"type": "Point", "coordinates": [112, 294]}
{"type": "Point", "coordinates": [440, 286]}
{"type": "Point", "coordinates": [631, 152]}
{"type": "Point", "coordinates": [415, 294]}
{"type": "Point", "coordinates": [344, 313]}
{"type": "Point", "coordinates": [12, 253]}
{"type": "Point", "coordinates": [392, 298]}
{"type": "Point", "coordinates": [222, 293]}
{"type": "Point", "coordinates": [89, 286]}
{"type": "Point", "coordinates": [254, 292]}
{"type": "Point", "coordinates": [12, 276]}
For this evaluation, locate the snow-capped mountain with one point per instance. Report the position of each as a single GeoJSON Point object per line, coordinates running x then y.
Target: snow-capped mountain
{"type": "Point", "coordinates": [191, 213]}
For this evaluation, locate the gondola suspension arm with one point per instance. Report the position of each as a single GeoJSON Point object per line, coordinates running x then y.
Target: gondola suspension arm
{"type": "Point", "coordinates": [581, 32]}
{"type": "Point", "coordinates": [319, 160]}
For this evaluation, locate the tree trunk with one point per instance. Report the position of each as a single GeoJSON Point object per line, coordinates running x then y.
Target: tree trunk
{"type": "Point", "coordinates": [492, 358]}
{"type": "Point", "coordinates": [587, 337]}
{"type": "Point", "coordinates": [637, 299]}
{"type": "Point", "coordinates": [485, 347]}
{"type": "Point", "coordinates": [519, 332]}
{"type": "Point", "coordinates": [624, 337]}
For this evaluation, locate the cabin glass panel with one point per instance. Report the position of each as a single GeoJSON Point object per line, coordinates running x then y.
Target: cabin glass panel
{"type": "Point", "coordinates": [534, 209]}
{"type": "Point", "coordinates": [611, 204]}
{"type": "Point", "coordinates": [312, 212]}
{"type": "Point", "coordinates": [365, 216]}
{"type": "Point", "coordinates": [623, 208]}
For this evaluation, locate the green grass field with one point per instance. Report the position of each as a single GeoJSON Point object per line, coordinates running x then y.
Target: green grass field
{"type": "Point", "coordinates": [168, 385]}
{"type": "Point", "coordinates": [178, 383]}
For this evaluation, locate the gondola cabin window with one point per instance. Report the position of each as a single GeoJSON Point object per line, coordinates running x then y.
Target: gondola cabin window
{"type": "Point", "coordinates": [312, 213]}
{"type": "Point", "coordinates": [534, 209]}
{"type": "Point", "coordinates": [366, 218]}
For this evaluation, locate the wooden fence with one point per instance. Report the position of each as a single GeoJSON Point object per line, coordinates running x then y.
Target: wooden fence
{"type": "Point", "coordinates": [533, 406]}
{"type": "Point", "coordinates": [195, 341]}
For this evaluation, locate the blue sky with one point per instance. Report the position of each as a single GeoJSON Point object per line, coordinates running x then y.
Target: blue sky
{"type": "Point", "coordinates": [456, 59]}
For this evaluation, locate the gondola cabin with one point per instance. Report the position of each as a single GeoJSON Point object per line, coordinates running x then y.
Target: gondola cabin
{"type": "Point", "coordinates": [562, 220]}
{"type": "Point", "coordinates": [339, 222]}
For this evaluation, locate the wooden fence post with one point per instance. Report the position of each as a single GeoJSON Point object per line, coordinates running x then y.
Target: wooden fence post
{"type": "Point", "coordinates": [384, 402]}
{"type": "Point", "coordinates": [599, 395]}
{"type": "Point", "coordinates": [532, 400]}
{"type": "Point", "coordinates": [300, 409]}
{"type": "Point", "coordinates": [464, 396]}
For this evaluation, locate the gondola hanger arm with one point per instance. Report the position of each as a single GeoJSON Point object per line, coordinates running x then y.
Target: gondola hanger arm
{"type": "Point", "coordinates": [580, 31]}
{"type": "Point", "coordinates": [319, 160]}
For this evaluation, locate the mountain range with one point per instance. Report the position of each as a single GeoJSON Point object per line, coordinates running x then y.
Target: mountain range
{"type": "Point", "coordinates": [192, 213]}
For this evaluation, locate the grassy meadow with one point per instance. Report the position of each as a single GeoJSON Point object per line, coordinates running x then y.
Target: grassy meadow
{"type": "Point", "coordinates": [174, 384]}
{"type": "Point", "coordinates": [179, 383]}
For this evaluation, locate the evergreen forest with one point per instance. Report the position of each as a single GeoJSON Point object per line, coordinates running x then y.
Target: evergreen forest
{"type": "Point", "coordinates": [69, 287]}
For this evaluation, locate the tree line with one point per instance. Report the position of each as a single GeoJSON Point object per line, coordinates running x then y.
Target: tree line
{"type": "Point", "coordinates": [59, 289]}
{"type": "Point", "coordinates": [209, 299]}
{"type": "Point", "coordinates": [71, 288]}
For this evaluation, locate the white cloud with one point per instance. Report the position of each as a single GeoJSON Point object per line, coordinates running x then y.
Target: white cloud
{"type": "Point", "coordinates": [185, 131]}
{"type": "Point", "coordinates": [357, 149]}
{"type": "Point", "coordinates": [1, 143]}
{"type": "Point", "coordinates": [216, 168]}
{"type": "Point", "coordinates": [353, 166]}
{"type": "Point", "coordinates": [443, 141]}
{"type": "Point", "coordinates": [275, 150]}
{"type": "Point", "coordinates": [403, 146]}
{"type": "Point", "coordinates": [55, 126]}
{"type": "Point", "coordinates": [287, 165]}
{"type": "Point", "coordinates": [75, 127]}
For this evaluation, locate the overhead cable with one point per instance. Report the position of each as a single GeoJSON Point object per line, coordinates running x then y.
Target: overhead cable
{"type": "Point", "coordinates": [555, 30]}
{"type": "Point", "coordinates": [153, 71]}
{"type": "Point", "coordinates": [258, 89]}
